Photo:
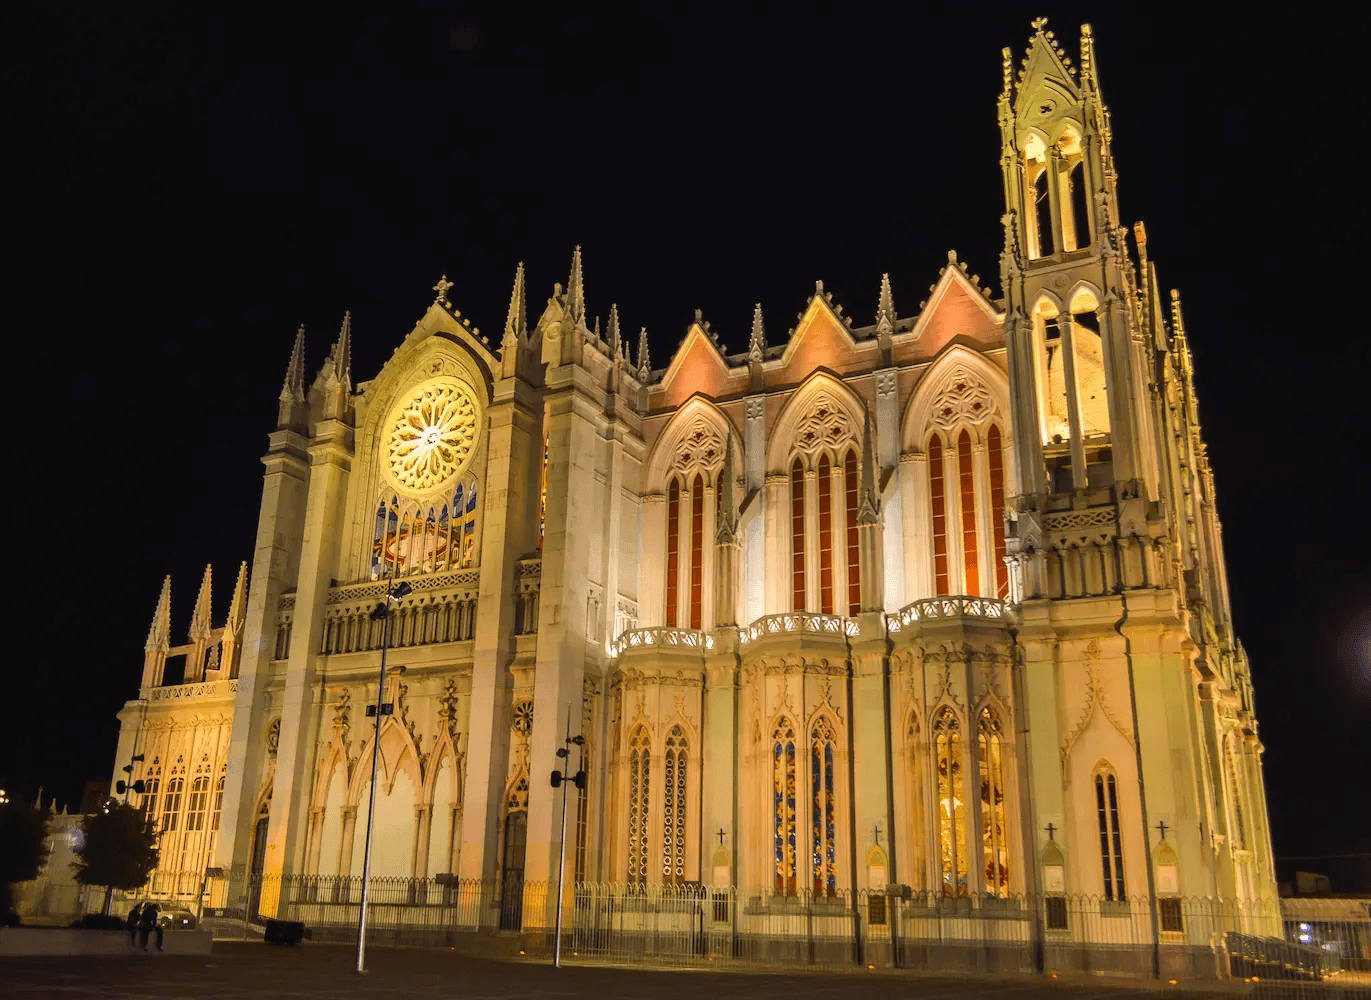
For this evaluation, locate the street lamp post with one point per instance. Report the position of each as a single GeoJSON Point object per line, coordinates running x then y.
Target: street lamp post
{"type": "Point", "coordinates": [380, 612]}
{"type": "Point", "coordinates": [559, 779]}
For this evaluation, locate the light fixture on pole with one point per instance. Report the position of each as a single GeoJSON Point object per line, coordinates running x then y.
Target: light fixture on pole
{"type": "Point", "coordinates": [124, 787]}
{"type": "Point", "coordinates": [560, 780]}
{"type": "Point", "coordinates": [380, 613]}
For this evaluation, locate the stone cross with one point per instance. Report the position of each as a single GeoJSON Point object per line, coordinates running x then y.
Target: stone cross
{"type": "Point", "coordinates": [1051, 831]}
{"type": "Point", "coordinates": [721, 836]}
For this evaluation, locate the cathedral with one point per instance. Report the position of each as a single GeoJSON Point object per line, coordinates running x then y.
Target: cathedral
{"type": "Point", "coordinates": [935, 601]}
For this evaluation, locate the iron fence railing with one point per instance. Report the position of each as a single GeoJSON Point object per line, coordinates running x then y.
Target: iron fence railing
{"type": "Point", "coordinates": [1182, 938]}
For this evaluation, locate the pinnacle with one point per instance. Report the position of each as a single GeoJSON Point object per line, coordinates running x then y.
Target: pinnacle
{"type": "Point", "coordinates": [200, 616]}
{"type": "Point", "coordinates": [338, 368]}
{"type": "Point", "coordinates": [516, 324]}
{"type": "Point", "coordinates": [159, 635]}
{"type": "Point", "coordinates": [885, 306]}
{"type": "Point", "coordinates": [616, 347]}
{"type": "Point", "coordinates": [575, 290]}
{"type": "Point", "coordinates": [293, 389]}
{"type": "Point", "coordinates": [756, 348]}
{"type": "Point", "coordinates": [869, 511]}
{"type": "Point", "coordinates": [238, 607]}
{"type": "Point", "coordinates": [644, 362]}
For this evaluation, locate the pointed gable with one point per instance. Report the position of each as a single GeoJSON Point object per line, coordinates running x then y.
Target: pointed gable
{"type": "Point", "coordinates": [1046, 71]}
{"type": "Point", "coordinates": [820, 340]}
{"type": "Point", "coordinates": [697, 367]}
{"type": "Point", "coordinates": [955, 309]}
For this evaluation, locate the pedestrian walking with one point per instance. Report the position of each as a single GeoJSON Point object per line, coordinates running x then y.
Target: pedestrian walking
{"type": "Point", "coordinates": [133, 923]}
{"type": "Point", "coordinates": [147, 924]}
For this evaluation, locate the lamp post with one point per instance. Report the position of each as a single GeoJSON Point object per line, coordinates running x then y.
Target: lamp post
{"type": "Point", "coordinates": [562, 780]}
{"type": "Point", "coordinates": [380, 613]}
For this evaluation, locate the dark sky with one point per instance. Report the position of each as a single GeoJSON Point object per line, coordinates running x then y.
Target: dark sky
{"type": "Point", "coordinates": [188, 189]}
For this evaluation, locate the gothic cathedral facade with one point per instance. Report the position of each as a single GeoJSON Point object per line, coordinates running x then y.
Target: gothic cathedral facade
{"type": "Point", "coordinates": [938, 601]}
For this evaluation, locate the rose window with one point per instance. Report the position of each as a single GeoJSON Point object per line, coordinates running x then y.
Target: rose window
{"type": "Point", "coordinates": [432, 436]}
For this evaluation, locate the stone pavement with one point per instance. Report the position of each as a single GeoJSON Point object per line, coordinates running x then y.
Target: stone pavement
{"type": "Point", "coordinates": [253, 971]}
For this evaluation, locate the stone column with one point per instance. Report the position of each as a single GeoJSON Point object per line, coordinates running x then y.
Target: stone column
{"type": "Point", "coordinates": [719, 787]}
{"type": "Point", "coordinates": [1073, 401]}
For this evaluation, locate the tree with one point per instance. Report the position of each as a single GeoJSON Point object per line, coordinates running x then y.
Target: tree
{"type": "Point", "coordinates": [23, 847]}
{"type": "Point", "coordinates": [118, 849]}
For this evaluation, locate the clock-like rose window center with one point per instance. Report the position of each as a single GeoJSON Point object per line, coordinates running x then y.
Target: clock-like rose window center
{"type": "Point", "coordinates": [432, 436]}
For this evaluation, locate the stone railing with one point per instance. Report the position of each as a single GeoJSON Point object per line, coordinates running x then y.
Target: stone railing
{"type": "Point", "coordinates": [200, 689]}
{"type": "Point", "coordinates": [681, 638]}
{"type": "Point", "coordinates": [797, 621]}
{"type": "Point", "coordinates": [954, 606]}
{"type": "Point", "coordinates": [374, 590]}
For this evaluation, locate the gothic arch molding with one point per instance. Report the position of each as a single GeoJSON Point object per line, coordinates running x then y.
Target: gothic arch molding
{"type": "Point", "coordinates": [956, 360]}
{"type": "Point", "coordinates": [696, 412]}
{"type": "Point", "coordinates": [782, 436]}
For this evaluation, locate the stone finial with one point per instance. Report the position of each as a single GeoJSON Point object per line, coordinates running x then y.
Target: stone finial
{"type": "Point", "coordinates": [159, 635]}
{"type": "Point", "coordinates": [616, 346]}
{"type": "Point", "coordinates": [575, 291]}
{"type": "Point", "coordinates": [756, 345]}
{"type": "Point", "coordinates": [644, 362]}
{"type": "Point", "coordinates": [441, 288]}
{"type": "Point", "coordinates": [869, 509]}
{"type": "Point", "coordinates": [238, 606]}
{"type": "Point", "coordinates": [200, 624]}
{"type": "Point", "coordinates": [885, 307]}
{"type": "Point", "coordinates": [293, 389]}
{"type": "Point", "coordinates": [819, 287]}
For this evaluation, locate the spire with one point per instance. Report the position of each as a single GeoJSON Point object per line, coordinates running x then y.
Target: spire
{"type": "Point", "coordinates": [616, 346]}
{"type": "Point", "coordinates": [293, 389]}
{"type": "Point", "coordinates": [200, 617]}
{"type": "Point", "coordinates": [869, 511]}
{"type": "Point", "coordinates": [756, 348]}
{"type": "Point", "coordinates": [238, 607]}
{"type": "Point", "coordinates": [575, 291]}
{"type": "Point", "coordinates": [516, 323]}
{"type": "Point", "coordinates": [885, 307]}
{"type": "Point", "coordinates": [644, 364]}
{"type": "Point", "coordinates": [159, 635]}
{"type": "Point", "coordinates": [728, 514]}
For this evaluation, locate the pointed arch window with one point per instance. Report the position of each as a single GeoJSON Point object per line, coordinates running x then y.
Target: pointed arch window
{"type": "Point", "coordinates": [994, 824]}
{"type": "Point", "coordinates": [697, 545]}
{"type": "Point", "coordinates": [673, 550]}
{"type": "Point", "coordinates": [854, 547]}
{"type": "Point", "coordinates": [1077, 196]}
{"type": "Point", "coordinates": [783, 814]}
{"type": "Point", "coordinates": [947, 743]}
{"type": "Point", "coordinates": [1042, 213]}
{"type": "Point", "coordinates": [468, 549]}
{"type": "Point", "coordinates": [639, 791]}
{"type": "Point", "coordinates": [218, 806]}
{"type": "Point", "coordinates": [938, 503]}
{"type": "Point", "coordinates": [171, 804]}
{"type": "Point", "coordinates": [797, 535]}
{"type": "Point", "coordinates": [994, 447]}
{"type": "Point", "coordinates": [199, 801]}
{"type": "Point", "coordinates": [825, 485]}
{"type": "Point", "coordinates": [967, 483]}
{"type": "Point", "coordinates": [823, 834]}
{"type": "Point", "coordinates": [674, 811]}
{"type": "Point", "coordinates": [1111, 841]}
{"type": "Point", "coordinates": [149, 801]}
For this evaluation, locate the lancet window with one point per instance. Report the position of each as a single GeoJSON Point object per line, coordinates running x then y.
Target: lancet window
{"type": "Point", "coordinates": [825, 490]}
{"type": "Point", "coordinates": [995, 453]}
{"type": "Point", "coordinates": [673, 551]}
{"type": "Point", "coordinates": [639, 796]}
{"type": "Point", "coordinates": [218, 805]}
{"type": "Point", "coordinates": [947, 744]}
{"type": "Point", "coordinates": [784, 786]}
{"type": "Point", "coordinates": [824, 808]}
{"type": "Point", "coordinates": [1111, 840]}
{"type": "Point", "coordinates": [797, 535]}
{"type": "Point", "coordinates": [697, 535]}
{"type": "Point", "coordinates": [854, 547]}
{"type": "Point", "coordinates": [966, 482]}
{"type": "Point", "coordinates": [994, 822]}
{"type": "Point", "coordinates": [938, 503]}
{"type": "Point", "coordinates": [674, 806]}
{"type": "Point", "coordinates": [199, 800]}
{"type": "Point", "coordinates": [171, 804]}
{"type": "Point", "coordinates": [431, 537]}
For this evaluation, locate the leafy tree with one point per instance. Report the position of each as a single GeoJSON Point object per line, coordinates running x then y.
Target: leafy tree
{"type": "Point", "coordinates": [23, 847]}
{"type": "Point", "coordinates": [118, 849]}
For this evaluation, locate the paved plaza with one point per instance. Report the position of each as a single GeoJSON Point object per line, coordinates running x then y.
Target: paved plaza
{"type": "Point", "coordinates": [246, 971]}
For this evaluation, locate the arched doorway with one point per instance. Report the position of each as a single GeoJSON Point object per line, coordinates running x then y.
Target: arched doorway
{"type": "Point", "coordinates": [512, 873]}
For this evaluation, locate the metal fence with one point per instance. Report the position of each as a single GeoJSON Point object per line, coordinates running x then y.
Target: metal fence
{"type": "Point", "coordinates": [1181, 938]}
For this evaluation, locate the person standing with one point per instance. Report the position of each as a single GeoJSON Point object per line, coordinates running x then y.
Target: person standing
{"type": "Point", "coordinates": [133, 923]}
{"type": "Point", "coordinates": [148, 923]}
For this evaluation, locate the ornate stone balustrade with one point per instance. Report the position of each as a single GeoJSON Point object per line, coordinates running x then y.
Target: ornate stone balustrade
{"type": "Point", "coordinates": [374, 590]}
{"type": "Point", "coordinates": [797, 621]}
{"type": "Point", "coordinates": [201, 689]}
{"type": "Point", "coordinates": [954, 606]}
{"type": "Point", "coordinates": [681, 638]}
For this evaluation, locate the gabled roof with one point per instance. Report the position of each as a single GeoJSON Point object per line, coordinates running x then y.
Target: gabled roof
{"type": "Point", "coordinates": [953, 286]}
{"type": "Point", "coordinates": [700, 363]}
{"type": "Point", "coordinates": [1045, 67]}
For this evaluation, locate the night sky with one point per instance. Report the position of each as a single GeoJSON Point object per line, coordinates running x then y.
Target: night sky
{"type": "Point", "coordinates": [188, 190]}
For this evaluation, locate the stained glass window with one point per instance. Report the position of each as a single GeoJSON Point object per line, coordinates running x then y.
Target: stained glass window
{"type": "Point", "coordinates": [938, 501]}
{"type": "Point", "coordinates": [824, 831]}
{"type": "Point", "coordinates": [825, 485]}
{"type": "Point", "coordinates": [468, 553]}
{"type": "Point", "coordinates": [967, 483]}
{"type": "Point", "coordinates": [994, 827]}
{"type": "Point", "coordinates": [947, 741]}
{"type": "Point", "coordinates": [995, 455]}
{"type": "Point", "coordinates": [797, 535]}
{"type": "Point", "coordinates": [783, 786]}
{"type": "Point", "coordinates": [639, 792]}
{"type": "Point", "coordinates": [673, 551]}
{"type": "Point", "coordinates": [199, 800]}
{"type": "Point", "coordinates": [697, 538]}
{"type": "Point", "coordinates": [854, 548]}
{"type": "Point", "coordinates": [674, 818]}
{"type": "Point", "coordinates": [218, 805]}
{"type": "Point", "coordinates": [1111, 845]}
